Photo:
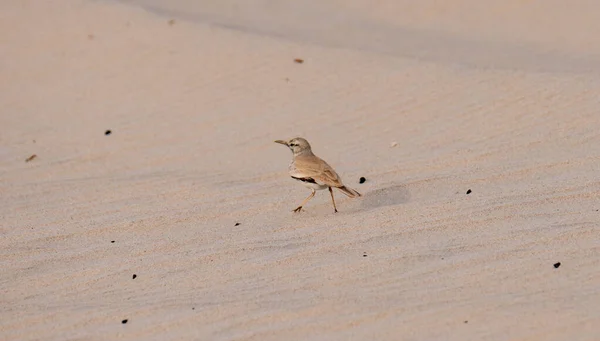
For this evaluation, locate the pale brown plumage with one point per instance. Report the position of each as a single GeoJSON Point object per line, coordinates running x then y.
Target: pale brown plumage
{"type": "Point", "coordinates": [311, 166]}
{"type": "Point", "coordinates": [313, 171]}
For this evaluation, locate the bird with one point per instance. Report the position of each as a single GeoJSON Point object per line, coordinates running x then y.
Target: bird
{"type": "Point", "coordinates": [313, 171]}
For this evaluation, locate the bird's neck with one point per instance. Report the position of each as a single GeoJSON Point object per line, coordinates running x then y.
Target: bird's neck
{"type": "Point", "coordinates": [305, 152]}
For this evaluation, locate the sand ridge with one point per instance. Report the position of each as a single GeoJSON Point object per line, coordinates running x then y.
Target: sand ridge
{"type": "Point", "coordinates": [194, 106]}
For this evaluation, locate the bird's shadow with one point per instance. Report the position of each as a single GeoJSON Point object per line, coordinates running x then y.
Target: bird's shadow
{"type": "Point", "coordinates": [387, 196]}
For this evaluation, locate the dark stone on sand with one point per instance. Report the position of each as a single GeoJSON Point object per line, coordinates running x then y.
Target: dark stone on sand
{"type": "Point", "coordinates": [108, 132]}
{"type": "Point", "coordinates": [124, 321]}
{"type": "Point", "coordinates": [112, 241]}
{"type": "Point", "coordinates": [237, 224]}
{"type": "Point", "coordinates": [469, 191]}
{"type": "Point", "coordinates": [134, 276]}
{"type": "Point", "coordinates": [362, 180]}
{"type": "Point", "coordinates": [556, 265]}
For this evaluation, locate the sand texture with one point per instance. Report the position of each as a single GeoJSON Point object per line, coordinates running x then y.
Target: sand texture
{"type": "Point", "coordinates": [189, 193]}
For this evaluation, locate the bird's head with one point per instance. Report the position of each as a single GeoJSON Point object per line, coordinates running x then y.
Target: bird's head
{"type": "Point", "coordinates": [297, 145]}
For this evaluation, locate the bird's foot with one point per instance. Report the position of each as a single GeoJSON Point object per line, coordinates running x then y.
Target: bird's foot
{"type": "Point", "coordinates": [297, 209]}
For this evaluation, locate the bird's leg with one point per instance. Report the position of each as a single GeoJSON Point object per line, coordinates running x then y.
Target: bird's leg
{"type": "Point", "coordinates": [332, 200]}
{"type": "Point", "coordinates": [297, 209]}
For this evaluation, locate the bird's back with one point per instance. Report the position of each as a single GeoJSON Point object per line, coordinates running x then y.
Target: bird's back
{"type": "Point", "coordinates": [311, 166]}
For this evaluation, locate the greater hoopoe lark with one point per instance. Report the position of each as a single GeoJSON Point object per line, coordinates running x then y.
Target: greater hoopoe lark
{"type": "Point", "coordinates": [315, 173]}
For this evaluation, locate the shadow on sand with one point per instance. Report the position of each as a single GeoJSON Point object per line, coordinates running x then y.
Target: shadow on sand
{"type": "Point", "coordinates": [387, 196]}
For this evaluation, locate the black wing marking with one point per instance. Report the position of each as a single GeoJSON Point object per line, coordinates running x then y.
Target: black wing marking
{"type": "Point", "coordinates": [310, 180]}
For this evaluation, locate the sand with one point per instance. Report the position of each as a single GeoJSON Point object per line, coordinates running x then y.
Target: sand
{"type": "Point", "coordinates": [500, 99]}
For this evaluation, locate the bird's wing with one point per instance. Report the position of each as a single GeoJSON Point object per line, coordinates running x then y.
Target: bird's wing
{"type": "Point", "coordinates": [317, 169]}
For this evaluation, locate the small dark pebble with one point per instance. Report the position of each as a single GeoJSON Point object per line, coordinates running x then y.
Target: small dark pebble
{"type": "Point", "coordinates": [193, 308]}
{"type": "Point", "coordinates": [469, 192]}
{"type": "Point", "coordinates": [299, 61]}
{"type": "Point", "coordinates": [237, 224]}
{"type": "Point", "coordinates": [365, 255]}
{"type": "Point", "coordinates": [556, 265]}
{"type": "Point", "coordinates": [362, 180]}
{"type": "Point", "coordinates": [108, 132]}
{"type": "Point", "coordinates": [124, 321]}
{"type": "Point", "coordinates": [112, 241]}
{"type": "Point", "coordinates": [466, 321]}
{"type": "Point", "coordinates": [134, 276]}
{"type": "Point", "coordinates": [30, 158]}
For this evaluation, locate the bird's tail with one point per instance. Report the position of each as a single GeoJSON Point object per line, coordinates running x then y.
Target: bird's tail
{"type": "Point", "coordinates": [349, 192]}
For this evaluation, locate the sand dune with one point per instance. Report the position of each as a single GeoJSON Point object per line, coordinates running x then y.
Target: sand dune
{"type": "Point", "coordinates": [499, 99]}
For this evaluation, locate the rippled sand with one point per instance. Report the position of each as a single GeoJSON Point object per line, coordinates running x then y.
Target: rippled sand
{"type": "Point", "coordinates": [501, 99]}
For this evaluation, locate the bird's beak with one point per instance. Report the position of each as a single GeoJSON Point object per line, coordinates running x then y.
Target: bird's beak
{"type": "Point", "coordinates": [282, 142]}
